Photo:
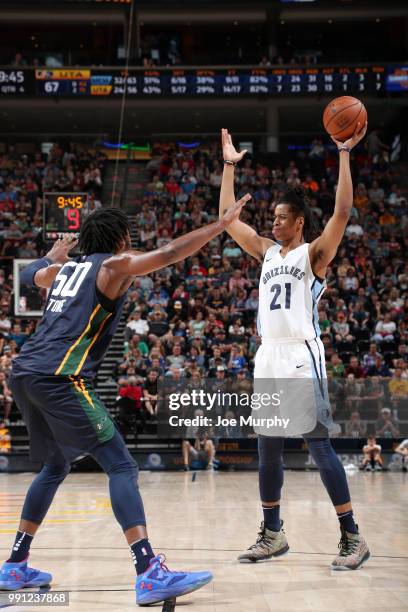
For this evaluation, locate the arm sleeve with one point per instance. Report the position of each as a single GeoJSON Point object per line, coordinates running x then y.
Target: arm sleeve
{"type": "Point", "coordinates": [27, 275]}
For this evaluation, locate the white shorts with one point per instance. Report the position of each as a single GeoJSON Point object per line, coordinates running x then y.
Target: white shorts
{"type": "Point", "coordinates": [290, 358]}
{"type": "Point", "coordinates": [294, 369]}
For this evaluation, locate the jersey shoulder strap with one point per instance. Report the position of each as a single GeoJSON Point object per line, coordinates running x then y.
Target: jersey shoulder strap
{"type": "Point", "coordinates": [271, 251]}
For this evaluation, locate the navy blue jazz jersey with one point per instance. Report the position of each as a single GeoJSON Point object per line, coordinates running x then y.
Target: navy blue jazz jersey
{"type": "Point", "coordinates": [76, 329]}
{"type": "Point", "coordinates": [52, 378]}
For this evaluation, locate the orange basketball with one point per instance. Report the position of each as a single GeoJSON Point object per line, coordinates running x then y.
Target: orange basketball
{"type": "Point", "coordinates": [341, 116]}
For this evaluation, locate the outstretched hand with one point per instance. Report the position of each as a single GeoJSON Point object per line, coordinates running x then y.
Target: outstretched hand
{"type": "Point", "coordinates": [60, 249]}
{"type": "Point", "coordinates": [358, 135]}
{"type": "Point", "coordinates": [232, 214]}
{"type": "Point", "coordinates": [228, 150]}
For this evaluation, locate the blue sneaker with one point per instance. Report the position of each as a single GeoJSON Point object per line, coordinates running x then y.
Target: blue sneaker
{"type": "Point", "coordinates": [14, 576]}
{"type": "Point", "coordinates": [158, 583]}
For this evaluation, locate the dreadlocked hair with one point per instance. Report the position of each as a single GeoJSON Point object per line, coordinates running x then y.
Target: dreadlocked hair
{"type": "Point", "coordinates": [298, 202]}
{"type": "Point", "coordinates": [103, 231]}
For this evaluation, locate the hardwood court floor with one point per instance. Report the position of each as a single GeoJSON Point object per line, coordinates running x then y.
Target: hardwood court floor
{"type": "Point", "coordinates": [203, 524]}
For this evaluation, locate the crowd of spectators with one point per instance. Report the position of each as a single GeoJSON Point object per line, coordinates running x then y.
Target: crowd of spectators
{"type": "Point", "coordinates": [198, 318]}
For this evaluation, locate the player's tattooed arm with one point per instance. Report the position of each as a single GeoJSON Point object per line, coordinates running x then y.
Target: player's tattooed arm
{"type": "Point", "coordinates": [243, 234]}
{"type": "Point", "coordinates": [323, 250]}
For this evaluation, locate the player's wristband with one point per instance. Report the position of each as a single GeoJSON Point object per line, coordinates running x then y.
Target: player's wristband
{"type": "Point", "coordinates": [229, 162]}
{"type": "Point", "coordinates": [344, 148]}
{"type": "Point", "coordinates": [27, 275]}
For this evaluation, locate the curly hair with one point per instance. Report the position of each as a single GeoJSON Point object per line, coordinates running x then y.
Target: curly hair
{"type": "Point", "coordinates": [103, 231]}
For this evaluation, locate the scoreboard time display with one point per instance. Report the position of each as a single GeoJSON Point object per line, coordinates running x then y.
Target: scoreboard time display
{"type": "Point", "coordinates": [201, 82]}
{"type": "Point", "coordinates": [204, 82]}
{"type": "Point", "coordinates": [63, 214]}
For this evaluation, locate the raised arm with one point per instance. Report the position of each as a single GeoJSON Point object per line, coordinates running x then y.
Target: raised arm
{"type": "Point", "coordinates": [129, 264]}
{"type": "Point", "coordinates": [42, 272]}
{"type": "Point", "coordinates": [324, 248]}
{"type": "Point", "coordinates": [243, 234]}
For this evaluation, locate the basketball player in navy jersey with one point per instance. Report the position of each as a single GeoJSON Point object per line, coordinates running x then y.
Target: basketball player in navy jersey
{"type": "Point", "coordinates": [52, 383]}
{"type": "Point", "coordinates": [292, 281]}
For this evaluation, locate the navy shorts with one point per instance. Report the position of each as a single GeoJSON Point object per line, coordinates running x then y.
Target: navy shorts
{"type": "Point", "coordinates": [62, 414]}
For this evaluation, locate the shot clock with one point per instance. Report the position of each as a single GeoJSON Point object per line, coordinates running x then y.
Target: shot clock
{"type": "Point", "coordinates": [63, 214]}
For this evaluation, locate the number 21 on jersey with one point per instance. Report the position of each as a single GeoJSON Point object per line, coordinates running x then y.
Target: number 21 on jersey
{"type": "Point", "coordinates": [276, 290]}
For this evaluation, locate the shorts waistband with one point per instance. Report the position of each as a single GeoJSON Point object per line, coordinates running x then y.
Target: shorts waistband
{"type": "Point", "coordinates": [272, 341]}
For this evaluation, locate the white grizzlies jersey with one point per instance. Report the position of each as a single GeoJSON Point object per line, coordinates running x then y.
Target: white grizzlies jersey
{"type": "Point", "coordinates": [288, 295]}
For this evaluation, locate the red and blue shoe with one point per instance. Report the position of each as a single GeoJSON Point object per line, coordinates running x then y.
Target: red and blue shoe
{"type": "Point", "coordinates": [158, 583]}
{"type": "Point", "coordinates": [14, 576]}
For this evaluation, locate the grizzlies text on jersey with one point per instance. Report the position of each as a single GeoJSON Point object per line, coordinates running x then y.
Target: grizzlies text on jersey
{"type": "Point", "coordinates": [288, 295]}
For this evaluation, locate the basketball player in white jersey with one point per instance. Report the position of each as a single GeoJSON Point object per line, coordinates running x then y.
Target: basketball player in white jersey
{"type": "Point", "coordinates": [292, 280]}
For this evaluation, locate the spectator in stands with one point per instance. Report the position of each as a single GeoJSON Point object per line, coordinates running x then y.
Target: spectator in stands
{"type": "Point", "coordinates": [358, 317]}
{"type": "Point", "coordinates": [372, 460]}
{"type": "Point", "coordinates": [341, 328]}
{"type": "Point", "coordinates": [355, 368]}
{"type": "Point", "coordinates": [129, 401]}
{"type": "Point", "coordinates": [336, 366]}
{"type": "Point", "coordinates": [5, 323]}
{"type": "Point", "coordinates": [372, 394]}
{"type": "Point", "coordinates": [354, 229]}
{"type": "Point", "coordinates": [352, 392]}
{"type": "Point", "coordinates": [398, 388]}
{"type": "Point", "coordinates": [150, 392]}
{"type": "Point", "coordinates": [6, 398]}
{"type": "Point", "coordinates": [380, 368]}
{"type": "Point", "coordinates": [158, 326]}
{"type": "Point", "coordinates": [360, 196]}
{"type": "Point", "coordinates": [386, 426]}
{"type": "Point", "coordinates": [402, 449]}
{"type": "Point", "coordinates": [197, 325]}
{"type": "Point", "coordinates": [176, 359]}
{"type": "Point", "coordinates": [136, 324]}
{"type": "Point", "coordinates": [236, 360]}
{"type": "Point", "coordinates": [355, 427]}
{"type": "Point", "coordinates": [265, 63]}
{"type": "Point", "coordinates": [17, 335]}
{"type": "Point", "coordinates": [376, 193]}
{"type": "Point", "coordinates": [370, 358]}
{"type": "Point", "coordinates": [19, 61]}
{"type": "Point", "coordinates": [385, 329]}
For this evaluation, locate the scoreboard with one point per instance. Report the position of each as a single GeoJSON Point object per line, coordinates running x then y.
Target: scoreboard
{"type": "Point", "coordinates": [203, 82]}
{"type": "Point", "coordinates": [63, 214]}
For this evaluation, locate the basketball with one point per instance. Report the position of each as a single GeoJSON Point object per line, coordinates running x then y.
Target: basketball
{"type": "Point", "coordinates": [341, 116]}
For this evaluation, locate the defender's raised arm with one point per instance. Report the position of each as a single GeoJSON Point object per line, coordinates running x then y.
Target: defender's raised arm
{"type": "Point", "coordinates": [130, 264]}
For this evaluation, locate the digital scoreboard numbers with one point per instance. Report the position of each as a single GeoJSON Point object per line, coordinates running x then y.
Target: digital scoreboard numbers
{"type": "Point", "coordinates": [152, 83]}
{"type": "Point", "coordinates": [61, 82]}
{"type": "Point", "coordinates": [63, 214]}
{"type": "Point", "coordinates": [204, 82]}
{"type": "Point", "coordinates": [15, 82]}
